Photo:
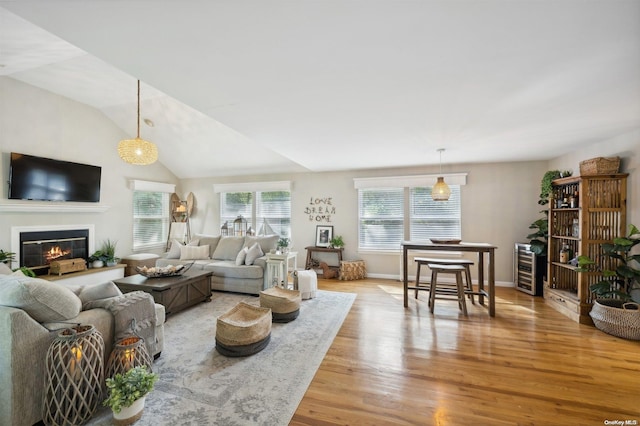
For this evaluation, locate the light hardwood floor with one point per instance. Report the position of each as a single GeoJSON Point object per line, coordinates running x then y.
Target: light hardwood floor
{"type": "Point", "coordinates": [527, 366]}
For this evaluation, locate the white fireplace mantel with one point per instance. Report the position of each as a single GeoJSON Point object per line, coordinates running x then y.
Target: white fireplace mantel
{"type": "Point", "coordinates": [18, 206]}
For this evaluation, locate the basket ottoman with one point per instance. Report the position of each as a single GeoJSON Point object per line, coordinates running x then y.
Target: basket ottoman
{"type": "Point", "coordinates": [243, 330]}
{"type": "Point", "coordinates": [352, 270]}
{"type": "Point", "coordinates": [284, 303]}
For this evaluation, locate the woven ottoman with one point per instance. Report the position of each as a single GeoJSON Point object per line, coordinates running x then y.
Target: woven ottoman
{"type": "Point", "coordinates": [243, 330]}
{"type": "Point", "coordinates": [352, 270]}
{"type": "Point", "coordinates": [284, 303]}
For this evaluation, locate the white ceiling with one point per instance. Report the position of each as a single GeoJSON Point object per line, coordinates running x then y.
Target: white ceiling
{"type": "Point", "coordinates": [262, 86]}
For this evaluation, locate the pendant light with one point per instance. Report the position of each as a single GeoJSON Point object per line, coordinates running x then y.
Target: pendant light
{"type": "Point", "coordinates": [440, 191]}
{"type": "Point", "coordinates": [138, 151]}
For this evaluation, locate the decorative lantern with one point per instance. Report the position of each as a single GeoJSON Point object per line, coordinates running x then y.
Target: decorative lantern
{"type": "Point", "coordinates": [74, 376]}
{"type": "Point", "coordinates": [128, 353]}
{"type": "Point", "coordinates": [224, 229]}
{"type": "Point", "coordinates": [240, 226]}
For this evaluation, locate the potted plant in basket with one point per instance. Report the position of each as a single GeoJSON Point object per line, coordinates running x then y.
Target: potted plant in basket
{"type": "Point", "coordinates": [616, 310]}
{"type": "Point", "coordinates": [127, 393]}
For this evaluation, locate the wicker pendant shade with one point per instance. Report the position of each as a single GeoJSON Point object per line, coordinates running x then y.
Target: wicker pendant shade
{"type": "Point", "coordinates": [138, 151]}
{"type": "Point", "coordinates": [74, 376]}
{"type": "Point", "coordinates": [440, 191]}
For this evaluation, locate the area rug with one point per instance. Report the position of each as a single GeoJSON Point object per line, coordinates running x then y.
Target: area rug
{"type": "Point", "coordinates": [198, 386]}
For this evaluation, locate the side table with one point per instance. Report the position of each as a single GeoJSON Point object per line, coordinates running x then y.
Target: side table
{"type": "Point", "coordinates": [313, 249]}
{"type": "Point", "coordinates": [278, 268]}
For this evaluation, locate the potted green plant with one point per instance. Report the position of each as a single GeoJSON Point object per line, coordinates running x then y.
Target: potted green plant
{"type": "Point", "coordinates": [616, 309]}
{"type": "Point", "coordinates": [546, 185]}
{"type": "Point", "coordinates": [127, 393]}
{"type": "Point", "coordinates": [336, 242]}
{"type": "Point", "coordinates": [7, 256]}
{"type": "Point", "coordinates": [109, 251]}
{"type": "Point", "coordinates": [283, 244]}
{"type": "Point", "coordinates": [97, 259]}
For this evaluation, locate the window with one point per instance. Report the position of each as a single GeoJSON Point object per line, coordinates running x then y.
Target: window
{"type": "Point", "coordinates": [381, 216]}
{"type": "Point", "coordinates": [267, 208]}
{"type": "Point", "coordinates": [393, 209]}
{"type": "Point", "coordinates": [150, 214]}
{"type": "Point", "coordinates": [150, 219]}
{"type": "Point", "coordinates": [434, 219]}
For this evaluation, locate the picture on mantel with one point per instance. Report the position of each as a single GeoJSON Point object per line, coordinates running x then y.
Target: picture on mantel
{"type": "Point", "coordinates": [320, 209]}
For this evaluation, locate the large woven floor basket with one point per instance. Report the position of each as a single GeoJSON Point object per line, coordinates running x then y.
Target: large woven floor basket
{"type": "Point", "coordinates": [610, 316]}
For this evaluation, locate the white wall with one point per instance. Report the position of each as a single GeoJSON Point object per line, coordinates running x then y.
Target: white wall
{"type": "Point", "coordinates": [37, 122]}
{"type": "Point", "coordinates": [498, 204]}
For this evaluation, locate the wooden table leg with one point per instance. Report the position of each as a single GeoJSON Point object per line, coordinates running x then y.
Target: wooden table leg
{"type": "Point", "coordinates": [481, 277]}
{"type": "Point", "coordinates": [405, 282]}
{"type": "Point", "coordinates": [492, 283]}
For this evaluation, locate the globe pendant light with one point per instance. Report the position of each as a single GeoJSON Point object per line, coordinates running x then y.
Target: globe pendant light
{"type": "Point", "coordinates": [440, 191]}
{"type": "Point", "coordinates": [138, 151]}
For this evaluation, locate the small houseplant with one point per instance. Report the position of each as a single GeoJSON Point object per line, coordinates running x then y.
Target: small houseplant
{"type": "Point", "coordinates": [283, 244]}
{"type": "Point", "coordinates": [105, 255]}
{"type": "Point", "coordinates": [546, 186]}
{"type": "Point", "coordinates": [616, 310]}
{"type": "Point", "coordinates": [337, 242]}
{"type": "Point", "coordinates": [127, 392]}
{"type": "Point", "coordinates": [7, 256]}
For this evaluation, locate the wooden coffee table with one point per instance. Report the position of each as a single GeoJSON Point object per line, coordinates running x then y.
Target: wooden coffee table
{"type": "Point", "coordinates": [175, 293]}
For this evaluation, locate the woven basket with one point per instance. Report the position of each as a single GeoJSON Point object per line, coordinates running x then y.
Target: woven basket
{"type": "Point", "coordinates": [600, 166]}
{"type": "Point", "coordinates": [617, 318]}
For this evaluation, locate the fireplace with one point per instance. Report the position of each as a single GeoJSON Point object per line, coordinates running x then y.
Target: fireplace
{"type": "Point", "coordinates": [37, 247]}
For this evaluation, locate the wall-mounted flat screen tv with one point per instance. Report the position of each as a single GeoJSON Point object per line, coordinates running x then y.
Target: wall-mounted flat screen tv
{"type": "Point", "coordinates": [45, 179]}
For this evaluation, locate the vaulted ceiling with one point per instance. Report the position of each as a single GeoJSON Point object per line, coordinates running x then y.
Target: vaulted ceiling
{"type": "Point", "coordinates": [262, 86]}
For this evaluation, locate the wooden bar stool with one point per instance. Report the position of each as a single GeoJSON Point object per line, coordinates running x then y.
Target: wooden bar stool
{"type": "Point", "coordinates": [447, 291]}
{"type": "Point", "coordinates": [466, 263]}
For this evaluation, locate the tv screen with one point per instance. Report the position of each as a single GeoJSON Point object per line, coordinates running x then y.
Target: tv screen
{"type": "Point", "coordinates": [37, 178]}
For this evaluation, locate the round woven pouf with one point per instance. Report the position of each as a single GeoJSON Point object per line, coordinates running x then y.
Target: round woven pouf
{"type": "Point", "coordinates": [243, 330]}
{"type": "Point", "coordinates": [74, 376]}
{"type": "Point", "coordinates": [284, 303]}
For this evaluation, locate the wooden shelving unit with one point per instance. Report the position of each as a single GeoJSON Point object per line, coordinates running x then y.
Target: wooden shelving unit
{"type": "Point", "coordinates": [599, 217]}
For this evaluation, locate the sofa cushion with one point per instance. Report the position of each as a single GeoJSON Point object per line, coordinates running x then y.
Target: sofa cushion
{"type": "Point", "coordinates": [42, 300]}
{"type": "Point", "coordinates": [4, 269]}
{"type": "Point", "coordinates": [91, 292]}
{"type": "Point", "coordinates": [253, 253]}
{"type": "Point", "coordinates": [208, 240]}
{"type": "Point", "coordinates": [194, 253]}
{"type": "Point", "coordinates": [228, 248]}
{"type": "Point", "coordinates": [176, 246]}
{"type": "Point", "coordinates": [267, 242]}
{"type": "Point", "coordinates": [229, 269]}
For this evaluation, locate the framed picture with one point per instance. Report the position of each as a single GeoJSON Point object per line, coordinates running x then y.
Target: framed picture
{"type": "Point", "coordinates": [324, 234]}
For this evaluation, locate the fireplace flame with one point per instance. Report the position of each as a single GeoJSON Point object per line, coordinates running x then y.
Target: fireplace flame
{"type": "Point", "coordinates": [55, 253]}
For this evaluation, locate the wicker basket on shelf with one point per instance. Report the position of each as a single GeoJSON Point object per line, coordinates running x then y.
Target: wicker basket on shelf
{"type": "Point", "coordinates": [600, 166]}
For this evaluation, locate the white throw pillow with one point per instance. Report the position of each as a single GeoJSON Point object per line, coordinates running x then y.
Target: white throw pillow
{"type": "Point", "coordinates": [194, 253]}
{"type": "Point", "coordinates": [176, 245]}
{"type": "Point", "coordinates": [242, 256]}
{"type": "Point", "coordinates": [254, 252]}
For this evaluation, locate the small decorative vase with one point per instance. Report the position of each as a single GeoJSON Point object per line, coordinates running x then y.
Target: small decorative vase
{"type": "Point", "coordinates": [131, 414]}
{"type": "Point", "coordinates": [97, 264]}
{"type": "Point", "coordinates": [111, 263]}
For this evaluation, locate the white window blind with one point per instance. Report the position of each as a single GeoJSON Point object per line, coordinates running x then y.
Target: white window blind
{"type": "Point", "coordinates": [381, 218]}
{"type": "Point", "coordinates": [434, 219]}
{"type": "Point", "coordinates": [150, 219]}
{"type": "Point", "coordinates": [234, 204]}
{"type": "Point", "coordinates": [273, 213]}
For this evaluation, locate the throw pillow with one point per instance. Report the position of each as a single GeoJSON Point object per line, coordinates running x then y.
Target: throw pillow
{"type": "Point", "coordinates": [176, 245]}
{"type": "Point", "coordinates": [194, 253]}
{"type": "Point", "coordinates": [228, 248]}
{"type": "Point", "coordinates": [210, 240]}
{"type": "Point", "coordinates": [44, 301]}
{"type": "Point", "coordinates": [89, 293]}
{"type": "Point", "coordinates": [254, 252]}
{"type": "Point", "coordinates": [4, 269]}
{"type": "Point", "coordinates": [267, 242]}
{"type": "Point", "coordinates": [242, 256]}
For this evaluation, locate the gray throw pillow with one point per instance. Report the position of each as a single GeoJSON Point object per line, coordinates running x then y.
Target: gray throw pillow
{"type": "Point", "coordinates": [209, 240]}
{"type": "Point", "coordinates": [254, 252]}
{"type": "Point", "coordinates": [89, 293]}
{"type": "Point", "coordinates": [4, 269]}
{"type": "Point", "coordinates": [267, 242]}
{"type": "Point", "coordinates": [228, 248]}
{"type": "Point", "coordinates": [44, 301]}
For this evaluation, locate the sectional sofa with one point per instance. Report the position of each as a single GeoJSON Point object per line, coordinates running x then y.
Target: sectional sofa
{"type": "Point", "coordinates": [238, 263]}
